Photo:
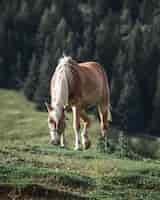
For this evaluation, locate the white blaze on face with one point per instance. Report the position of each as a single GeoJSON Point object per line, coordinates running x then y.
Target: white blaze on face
{"type": "Point", "coordinates": [55, 136]}
{"type": "Point", "coordinates": [53, 120]}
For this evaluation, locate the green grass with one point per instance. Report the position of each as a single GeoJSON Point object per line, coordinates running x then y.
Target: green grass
{"type": "Point", "coordinates": [31, 168]}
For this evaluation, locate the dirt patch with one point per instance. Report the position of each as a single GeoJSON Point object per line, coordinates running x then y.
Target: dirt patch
{"type": "Point", "coordinates": [35, 192]}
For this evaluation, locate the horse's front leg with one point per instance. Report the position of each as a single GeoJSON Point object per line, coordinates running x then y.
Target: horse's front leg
{"type": "Point", "coordinates": [76, 127]}
{"type": "Point", "coordinates": [63, 140]}
{"type": "Point", "coordinates": [85, 139]}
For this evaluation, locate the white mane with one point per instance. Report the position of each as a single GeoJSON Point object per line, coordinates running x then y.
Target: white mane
{"type": "Point", "coordinates": [65, 61]}
{"type": "Point", "coordinates": [60, 82]}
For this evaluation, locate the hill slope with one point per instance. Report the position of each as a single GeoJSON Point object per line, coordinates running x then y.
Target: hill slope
{"type": "Point", "coordinates": [32, 168]}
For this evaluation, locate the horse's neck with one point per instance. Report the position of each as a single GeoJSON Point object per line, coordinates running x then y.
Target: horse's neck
{"type": "Point", "coordinates": [60, 92]}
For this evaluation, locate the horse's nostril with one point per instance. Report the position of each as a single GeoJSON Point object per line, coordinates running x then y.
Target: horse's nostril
{"type": "Point", "coordinates": [53, 142]}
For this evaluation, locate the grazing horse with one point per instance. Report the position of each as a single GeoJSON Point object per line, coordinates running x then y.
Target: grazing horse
{"type": "Point", "coordinates": [77, 86]}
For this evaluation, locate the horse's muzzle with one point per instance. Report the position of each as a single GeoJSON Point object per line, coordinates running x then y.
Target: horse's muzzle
{"type": "Point", "coordinates": [54, 142]}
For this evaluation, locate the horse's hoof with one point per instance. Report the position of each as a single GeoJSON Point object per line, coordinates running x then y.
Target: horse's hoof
{"type": "Point", "coordinates": [63, 146]}
{"type": "Point", "coordinates": [77, 148]}
{"type": "Point", "coordinates": [87, 145]}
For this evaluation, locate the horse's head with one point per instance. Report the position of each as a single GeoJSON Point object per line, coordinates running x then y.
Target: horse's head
{"type": "Point", "coordinates": [56, 123]}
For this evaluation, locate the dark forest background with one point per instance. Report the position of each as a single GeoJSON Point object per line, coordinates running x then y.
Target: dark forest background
{"type": "Point", "coordinates": [122, 35]}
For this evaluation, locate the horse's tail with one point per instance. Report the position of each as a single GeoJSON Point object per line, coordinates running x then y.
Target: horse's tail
{"type": "Point", "coordinates": [107, 90]}
{"type": "Point", "coordinates": [109, 118]}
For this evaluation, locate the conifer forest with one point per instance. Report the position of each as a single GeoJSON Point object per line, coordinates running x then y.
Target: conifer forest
{"type": "Point", "coordinates": [122, 35]}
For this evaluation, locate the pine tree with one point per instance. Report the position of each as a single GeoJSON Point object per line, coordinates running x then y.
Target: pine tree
{"type": "Point", "coordinates": [18, 72]}
{"type": "Point", "coordinates": [38, 7]}
{"type": "Point", "coordinates": [31, 82]}
{"type": "Point", "coordinates": [58, 46]}
{"type": "Point", "coordinates": [147, 6]}
{"type": "Point", "coordinates": [117, 80]}
{"type": "Point", "coordinates": [130, 105]}
{"type": "Point", "coordinates": [125, 22]}
{"type": "Point", "coordinates": [48, 21]}
{"type": "Point", "coordinates": [155, 123]}
{"type": "Point", "coordinates": [135, 46]}
{"type": "Point", "coordinates": [3, 73]}
{"type": "Point", "coordinates": [133, 6]}
{"type": "Point", "coordinates": [3, 67]}
{"type": "Point", "coordinates": [70, 46]}
{"type": "Point", "coordinates": [87, 51]}
{"type": "Point", "coordinates": [107, 40]}
{"type": "Point", "coordinates": [46, 31]}
{"type": "Point", "coordinates": [22, 17]}
{"type": "Point", "coordinates": [10, 60]}
{"type": "Point", "coordinates": [42, 92]}
{"type": "Point", "coordinates": [61, 33]}
{"type": "Point", "coordinates": [101, 8]}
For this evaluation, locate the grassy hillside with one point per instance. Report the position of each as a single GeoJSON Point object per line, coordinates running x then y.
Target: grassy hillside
{"type": "Point", "coordinates": [30, 168]}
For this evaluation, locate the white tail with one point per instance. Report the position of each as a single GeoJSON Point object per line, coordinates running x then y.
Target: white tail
{"type": "Point", "coordinates": [109, 115]}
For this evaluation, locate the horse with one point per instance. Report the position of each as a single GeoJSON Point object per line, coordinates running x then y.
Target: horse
{"type": "Point", "coordinates": [77, 86]}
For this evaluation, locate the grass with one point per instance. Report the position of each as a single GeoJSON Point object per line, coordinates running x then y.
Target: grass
{"type": "Point", "coordinates": [31, 168]}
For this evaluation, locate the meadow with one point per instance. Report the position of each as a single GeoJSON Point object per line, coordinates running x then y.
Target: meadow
{"type": "Point", "coordinates": [31, 168]}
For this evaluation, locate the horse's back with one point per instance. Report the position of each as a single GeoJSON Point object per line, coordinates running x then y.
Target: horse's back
{"type": "Point", "coordinates": [90, 65]}
{"type": "Point", "coordinates": [94, 83]}
{"type": "Point", "coordinates": [92, 71]}
{"type": "Point", "coordinates": [90, 68]}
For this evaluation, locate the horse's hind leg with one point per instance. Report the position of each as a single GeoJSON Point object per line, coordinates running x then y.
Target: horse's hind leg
{"type": "Point", "coordinates": [85, 140]}
{"type": "Point", "coordinates": [104, 124]}
{"type": "Point", "coordinates": [76, 127]}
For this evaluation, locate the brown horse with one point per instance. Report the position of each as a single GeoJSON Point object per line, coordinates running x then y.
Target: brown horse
{"type": "Point", "coordinates": [77, 86]}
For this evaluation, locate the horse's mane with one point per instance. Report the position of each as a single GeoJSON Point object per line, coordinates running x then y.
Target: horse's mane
{"type": "Point", "coordinates": [65, 66]}
{"type": "Point", "coordinates": [66, 61]}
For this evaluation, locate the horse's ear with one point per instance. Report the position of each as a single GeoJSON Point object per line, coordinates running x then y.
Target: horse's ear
{"type": "Point", "coordinates": [49, 108]}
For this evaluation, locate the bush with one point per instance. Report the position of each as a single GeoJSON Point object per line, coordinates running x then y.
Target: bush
{"type": "Point", "coordinates": [132, 147]}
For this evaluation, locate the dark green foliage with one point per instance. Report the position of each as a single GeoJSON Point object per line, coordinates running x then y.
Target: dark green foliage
{"type": "Point", "coordinates": [121, 35]}
{"type": "Point", "coordinates": [123, 146]}
{"type": "Point", "coordinates": [30, 168]}
{"type": "Point", "coordinates": [31, 82]}
{"type": "Point", "coordinates": [101, 146]}
{"type": "Point", "coordinates": [42, 93]}
{"type": "Point", "coordinates": [156, 104]}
